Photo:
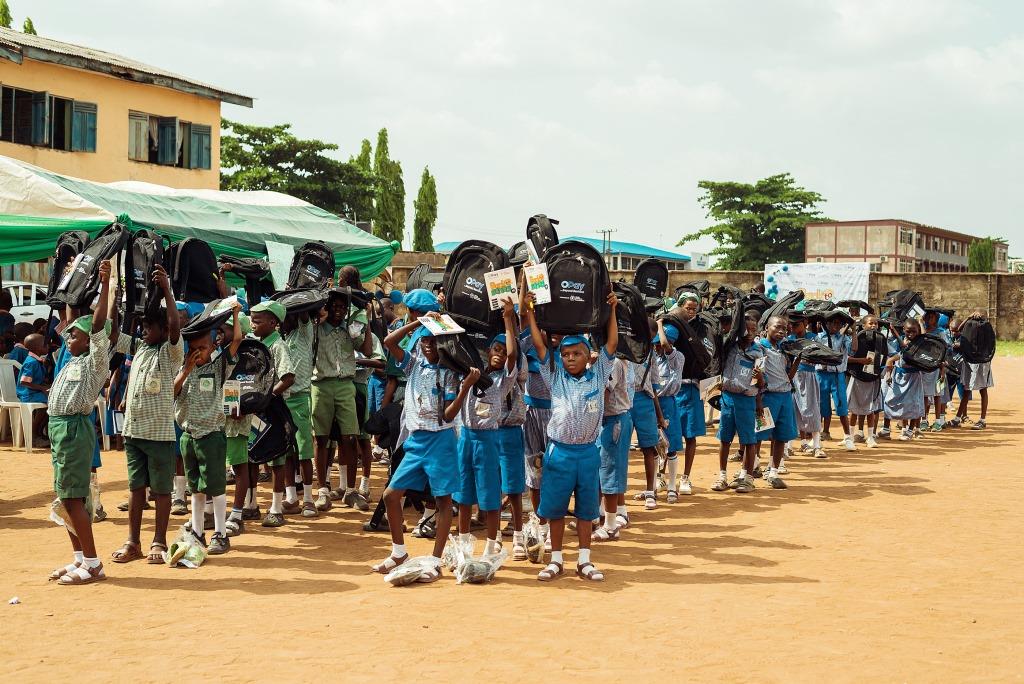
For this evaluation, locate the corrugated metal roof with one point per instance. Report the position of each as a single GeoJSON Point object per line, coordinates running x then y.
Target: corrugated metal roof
{"type": "Point", "coordinates": [626, 248]}
{"type": "Point", "coordinates": [67, 54]}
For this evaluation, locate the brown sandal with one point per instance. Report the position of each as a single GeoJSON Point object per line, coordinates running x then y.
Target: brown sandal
{"type": "Point", "coordinates": [550, 572]}
{"type": "Point", "coordinates": [128, 552]}
{"type": "Point", "coordinates": [430, 575]}
{"type": "Point", "coordinates": [156, 557]}
{"type": "Point", "coordinates": [93, 575]}
{"type": "Point", "coordinates": [589, 572]}
{"type": "Point", "coordinates": [61, 571]}
{"type": "Point", "coordinates": [390, 564]}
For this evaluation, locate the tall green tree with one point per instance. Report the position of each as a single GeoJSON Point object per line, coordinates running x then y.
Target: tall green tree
{"type": "Point", "coordinates": [365, 158]}
{"type": "Point", "coordinates": [426, 214]}
{"type": "Point", "coordinates": [5, 15]}
{"type": "Point", "coordinates": [389, 208]}
{"type": "Point", "coordinates": [272, 158]}
{"type": "Point", "coordinates": [28, 27]}
{"type": "Point", "coordinates": [757, 223]}
{"type": "Point", "coordinates": [981, 255]}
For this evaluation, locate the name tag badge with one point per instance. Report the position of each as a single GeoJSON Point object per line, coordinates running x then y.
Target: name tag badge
{"type": "Point", "coordinates": [206, 384]}
{"type": "Point", "coordinates": [592, 406]}
{"type": "Point", "coordinates": [483, 410]}
{"type": "Point", "coordinates": [74, 373]}
{"type": "Point", "coordinates": [152, 385]}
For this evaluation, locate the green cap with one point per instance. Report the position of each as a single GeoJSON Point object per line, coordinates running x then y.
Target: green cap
{"type": "Point", "coordinates": [84, 323]}
{"type": "Point", "coordinates": [276, 308]}
{"type": "Point", "coordinates": [244, 323]}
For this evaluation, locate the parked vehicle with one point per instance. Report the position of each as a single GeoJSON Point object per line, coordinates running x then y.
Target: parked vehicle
{"type": "Point", "coordinates": [29, 300]}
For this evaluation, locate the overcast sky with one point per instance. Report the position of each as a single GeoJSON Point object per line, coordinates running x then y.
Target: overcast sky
{"type": "Point", "coordinates": [606, 114]}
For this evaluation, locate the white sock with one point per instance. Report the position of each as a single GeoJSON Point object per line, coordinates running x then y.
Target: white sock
{"type": "Point", "coordinates": [307, 493]}
{"type": "Point", "coordinates": [545, 530]}
{"type": "Point", "coordinates": [849, 435]}
{"type": "Point", "coordinates": [364, 483]}
{"type": "Point", "coordinates": [325, 491]}
{"type": "Point", "coordinates": [275, 506]}
{"type": "Point", "coordinates": [673, 470]}
{"type": "Point", "coordinates": [179, 487]}
{"type": "Point", "coordinates": [816, 440]}
{"type": "Point", "coordinates": [79, 556]}
{"type": "Point", "coordinates": [757, 462]}
{"type": "Point", "coordinates": [743, 473]}
{"type": "Point", "coordinates": [198, 507]}
{"type": "Point", "coordinates": [398, 550]}
{"type": "Point", "coordinates": [773, 472]}
{"type": "Point", "coordinates": [220, 509]}
{"type": "Point", "coordinates": [620, 510]}
{"type": "Point", "coordinates": [556, 556]}
{"type": "Point", "coordinates": [609, 520]}
{"type": "Point", "coordinates": [723, 474]}
{"type": "Point", "coordinates": [343, 478]}
{"type": "Point", "coordinates": [584, 556]}
{"type": "Point", "coordinates": [492, 546]}
{"type": "Point", "coordinates": [91, 562]}
{"type": "Point", "coordinates": [290, 495]}
{"type": "Point", "coordinates": [427, 512]}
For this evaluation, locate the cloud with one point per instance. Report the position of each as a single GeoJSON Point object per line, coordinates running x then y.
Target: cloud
{"type": "Point", "coordinates": [654, 90]}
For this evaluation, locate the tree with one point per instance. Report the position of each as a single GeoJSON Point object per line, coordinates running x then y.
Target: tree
{"type": "Point", "coordinates": [365, 158]}
{"type": "Point", "coordinates": [389, 208]}
{"type": "Point", "coordinates": [28, 27]}
{"type": "Point", "coordinates": [981, 255]}
{"type": "Point", "coordinates": [757, 224]}
{"type": "Point", "coordinates": [272, 158]}
{"type": "Point", "coordinates": [426, 214]}
{"type": "Point", "coordinates": [5, 15]}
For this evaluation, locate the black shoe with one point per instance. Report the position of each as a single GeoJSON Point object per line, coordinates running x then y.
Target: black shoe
{"type": "Point", "coordinates": [218, 544]}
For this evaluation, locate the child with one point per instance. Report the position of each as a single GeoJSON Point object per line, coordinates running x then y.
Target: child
{"type": "Point", "coordinates": [904, 387]}
{"type": "Point", "coordinates": [33, 383]}
{"type": "Point", "coordinates": [20, 351]}
{"type": "Point", "coordinates": [777, 396]}
{"type": "Point", "coordinates": [149, 423]}
{"type": "Point", "coordinates": [741, 398]}
{"type": "Point", "coordinates": [934, 387]}
{"type": "Point", "coordinates": [616, 429]}
{"type": "Point", "coordinates": [572, 461]}
{"type": "Point", "coordinates": [198, 391]}
{"type": "Point", "coordinates": [479, 445]}
{"type": "Point", "coordinates": [537, 398]}
{"type": "Point", "coordinates": [646, 418]}
{"type": "Point", "coordinates": [266, 316]}
{"type": "Point", "coordinates": [513, 466]}
{"type": "Point", "coordinates": [297, 336]}
{"type": "Point", "coordinates": [692, 425]}
{"type": "Point", "coordinates": [236, 450]}
{"type": "Point", "coordinates": [864, 397]}
{"type": "Point", "coordinates": [73, 435]}
{"type": "Point", "coordinates": [832, 380]}
{"type": "Point", "coordinates": [807, 392]}
{"type": "Point", "coordinates": [431, 404]}
{"type": "Point", "coordinates": [670, 369]}
{"type": "Point", "coordinates": [979, 380]}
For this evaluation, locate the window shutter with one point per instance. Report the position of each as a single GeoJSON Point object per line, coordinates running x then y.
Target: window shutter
{"type": "Point", "coordinates": [167, 140]}
{"type": "Point", "coordinates": [138, 136]}
{"type": "Point", "coordinates": [41, 118]}
{"type": "Point", "coordinates": [200, 147]}
{"type": "Point", "coordinates": [83, 127]}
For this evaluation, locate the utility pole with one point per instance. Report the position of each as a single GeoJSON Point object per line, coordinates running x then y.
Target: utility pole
{"type": "Point", "coordinates": [606, 245]}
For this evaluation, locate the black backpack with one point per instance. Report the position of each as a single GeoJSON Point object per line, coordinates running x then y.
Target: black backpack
{"type": "Point", "coordinates": [465, 294]}
{"type": "Point", "coordinates": [210, 318]}
{"type": "Point", "coordinates": [84, 283]}
{"type": "Point", "coordinates": [780, 307]}
{"type": "Point", "coordinates": [870, 341]}
{"type": "Point", "coordinates": [756, 302]}
{"type": "Point", "coordinates": [459, 353]}
{"type": "Point", "coordinates": [277, 436]}
{"type": "Point", "coordinates": [304, 300]}
{"type": "Point", "coordinates": [518, 254]}
{"type": "Point", "coordinates": [422, 277]}
{"type": "Point", "coordinates": [312, 266]}
{"type": "Point", "coordinates": [255, 272]}
{"type": "Point", "coordinates": [848, 303]}
{"type": "Point", "coordinates": [901, 305]}
{"type": "Point", "coordinates": [738, 327]}
{"type": "Point", "coordinates": [813, 351]}
{"type": "Point", "coordinates": [651, 278]}
{"type": "Point", "coordinates": [702, 288]}
{"type": "Point", "coordinates": [700, 341]}
{"type": "Point", "coordinates": [142, 297]}
{"type": "Point", "coordinates": [634, 330]}
{"type": "Point", "coordinates": [193, 270]}
{"type": "Point", "coordinates": [69, 245]}
{"type": "Point", "coordinates": [925, 352]}
{"type": "Point", "coordinates": [254, 371]}
{"type": "Point", "coordinates": [540, 230]}
{"type": "Point", "coordinates": [977, 340]}
{"type": "Point", "coordinates": [579, 288]}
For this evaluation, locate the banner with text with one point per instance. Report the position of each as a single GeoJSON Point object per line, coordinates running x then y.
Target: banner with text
{"type": "Point", "coordinates": [834, 282]}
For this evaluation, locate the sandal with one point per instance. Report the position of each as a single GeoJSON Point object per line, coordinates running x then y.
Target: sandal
{"type": "Point", "coordinates": [83, 575]}
{"type": "Point", "coordinates": [156, 557]}
{"type": "Point", "coordinates": [390, 564]}
{"type": "Point", "coordinates": [430, 575]}
{"type": "Point", "coordinates": [550, 572]}
{"type": "Point", "coordinates": [60, 572]}
{"type": "Point", "coordinates": [128, 552]}
{"type": "Point", "coordinates": [589, 572]}
{"type": "Point", "coordinates": [650, 501]}
{"type": "Point", "coordinates": [603, 534]}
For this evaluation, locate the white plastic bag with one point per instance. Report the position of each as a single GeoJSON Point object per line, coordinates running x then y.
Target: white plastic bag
{"type": "Point", "coordinates": [185, 551]}
{"type": "Point", "coordinates": [409, 571]}
{"type": "Point", "coordinates": [479, 570]}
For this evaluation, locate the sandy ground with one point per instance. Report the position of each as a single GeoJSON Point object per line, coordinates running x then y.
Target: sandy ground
{"type": "Point", "coordinates": [897, 564]}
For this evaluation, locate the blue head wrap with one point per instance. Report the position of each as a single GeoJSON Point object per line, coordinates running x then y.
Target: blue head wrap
{"type": "Point", "coordinates": [570, 340]}
{"type": "Point", "coordinates": [421, 300]}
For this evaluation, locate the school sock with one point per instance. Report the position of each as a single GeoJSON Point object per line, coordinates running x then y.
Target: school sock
{"type": "Point", "coordinates": [427, 512]}
{"type": "Point", "coordinates": [208, 507]}
{"type": "Point", "coordinates": [773, 472]}
{"type": "Point", "coordinates": [275, 506]}
{"type": "Point", "coordinates": [723, 474]}
{"type": "Point", "coordinates": [91, 562]}
{"type": "Point", "coordinates": [179, 487]}
{"type": "Point", "coordinates": [364, 483]}
{"type": "Point", "coordinates": [290, 494]}
{"type": "Point", "coordinates": [343, 478]}
{"type": "Point", "coordinates": [198, 508]}
{"type": "Point", "coordinates": [492, 546]}
{"type": "Point", "coordinates": [584, 556]}
{"type": "Point", "coordinates": [79, 556]}
{"type": "Point", "coordinates": [673, 469]}
{"type": "Point", "coordinates": [307, 493]}
{"type": "Point", "coordinates": [816, 440]}
{"type": "Point", "coordinates": [220, 507]}
{"type": "Point", "coordinates": [609, 520]}
{"type": "Point", "coordinates": [620, 510]}
{"type": "Point", "coordinates": [236, 514]}
{"type": "Point", "coordinates": [250, 498]}
{"type": "Point", "coordinates": [398, 550]}
{"type": "Point", "coordinates": [556, 557]}
{"type": "Point", "coordinates": [743, 473]}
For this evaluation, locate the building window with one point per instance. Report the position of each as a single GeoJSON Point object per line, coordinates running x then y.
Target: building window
{"type": "Point", "coordinates": [906, 236]}
{"type": "Point", "coordinates": [875, 267]}
{"type": "Point", "coordinates": [169, 141]}
{"type": "Point", "coordinates": [906, 266]}
{"type": "Point", "coordinates": [43, 120]}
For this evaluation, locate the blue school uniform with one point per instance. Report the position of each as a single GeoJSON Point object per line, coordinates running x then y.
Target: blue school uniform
{"type": "Point", "coordinates": [480, 443]}
{"type": "Point", "coordinates": [670, 368]}
{"type": "Point", "coordinates": [19, 354]}
{"type": "Point", "coordinates": [33, 371]}
{"type": "Point", "coordinates": [778, 395]}
{"type": "Point", "coordinates": [510, 435]}
{"type": "Point", "coordinates": [572, 459]}
{"type": "Point", "coordinates": [832, 379]}
{"type": "Point", "coordinates": [616, 428]}
{"type": "Point", "coordinates": [739, 403]}
{"type": "Point", "coordinates": [903, 397]}
{"type": "Point", "coordinates": [644, 419]}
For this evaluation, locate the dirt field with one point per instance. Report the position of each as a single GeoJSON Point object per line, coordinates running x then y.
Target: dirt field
{"type": "Point", "coordinates": [897, 564]}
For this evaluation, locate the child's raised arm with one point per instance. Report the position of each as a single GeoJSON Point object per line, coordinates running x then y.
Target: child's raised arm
{"type": "Point", "coordinates": [540, 345]}
{"type": "Point", "coordinates": [173, 322]}
{"type": "Point", "coordinates": [612, 342]}
{"type": "Point", "coordinates": [452, 409]}
{"type": "Point", "coordinates": [391, 342]}
{"type": "Point", "coordinates": [511, 347]}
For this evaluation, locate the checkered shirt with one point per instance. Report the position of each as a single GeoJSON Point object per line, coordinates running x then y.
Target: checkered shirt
{"type": "Point", "coordinates": [76, 397]}
{"type": "Point", "coordinates": [151, 416]}
{"type": "Point", "coordinates": [577, 404]}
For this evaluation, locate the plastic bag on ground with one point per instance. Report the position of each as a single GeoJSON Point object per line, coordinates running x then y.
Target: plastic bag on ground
{"type": "Point", "coordinates": [185, 551]}
{"type": "Point", "coordinates": [479, 570]}
{"type": "Point", "coordinates": [59, 513]}
{"type": "Point", "coordinates": [409, 571]}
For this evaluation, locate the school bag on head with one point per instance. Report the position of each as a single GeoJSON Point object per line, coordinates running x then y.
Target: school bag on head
{"type": "Point", "coordinates": [700, 342]}
{"type": "Point", "coordinates": [977, 340]}
{"type": "Point", "coordinates": [465, 294]}
{"type": "Point", "coordinates": [254, 371]}
{"type": "Point", "coordinates": [303, 300]}
{"type": "Point", "coordinates": [255, 272]}
{"type": "Point", "coordinates": [925, 352]}
{"type": "Point", "coordinates": [780, 307]}
{"type": "Point", "coordinates": [459, 353]}
{"type": "Point", "coordinates": [518, 254]}
{"type": "Point", "coordinates": [651, 278]}
{"type": "Point", "coordinates": [901, 305]}
{"type": "Point", "coordinates": [540, 230]}
{"type": "Point", "coordinates": [579, 290]}
{"type": "Point", "coordinates": [423, 277]}
{"type": "Point", "coordinates": [756, 302]}
{"type": "Point", "coordinates": [870, 341]}
{"type": "Point", "coordinates": [849, 303]}
{"type": "Point", "coordinates": [813, 351]}
{"type": "Point", "coordinates": [69, 245]}
{"type": "Point", "coordinates": [193, 270]}
{"type": "Point", "coordinates": [213, 315]}
{"type": "Point", "coordinates": [634, 330]}
{"type": "Point", "coordinates": [83, 285]}
{"type": "Point", "coordinates": [701, 288]}
{"type": "Point", "coordinates": [737, 328]}
{"type": "Point", "coordinates": [144, 251]}
{"type": "Point", "coordinates": [272, 434]}
{"type": "Point", "coordinates": [312, 266]}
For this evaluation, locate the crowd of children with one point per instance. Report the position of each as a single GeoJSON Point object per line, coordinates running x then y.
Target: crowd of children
{"type": "Point", "coordinates": [550, 415]}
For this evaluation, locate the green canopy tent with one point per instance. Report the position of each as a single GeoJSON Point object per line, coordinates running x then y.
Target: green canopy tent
{"type": "Point", "coordinates": [36, 206]}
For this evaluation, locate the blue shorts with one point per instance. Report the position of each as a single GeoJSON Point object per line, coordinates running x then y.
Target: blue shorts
{"type": "Point", "coordinates": [737, 418]}
{"type": "Point", "coordinates": [513, 465]}
{"type": "Point", "coordinates": [479, 469]}
{"type": "Point", "coordinates": [430, 457]}
{"type": "Point", "coordinates": [833, 392]}
{"type": "Point", "coordinates": [691, 411]}
{"type": "Point", "coordinates": [570, 469]}
{"type": "Point", "coordinates": [27, 396]}
{"type": "Point", "coordinates": [374, 393]}
{"type": "Point", "coordinates": [674, 431]}
{"type": "Point", "coordinates": [615, 433]}
{"type": "Point", "coordinates": [781, 406]}
{"type": "Point", "coordinates": [97, 462]}
{"type": "Point", "coordinates": [645, 420]}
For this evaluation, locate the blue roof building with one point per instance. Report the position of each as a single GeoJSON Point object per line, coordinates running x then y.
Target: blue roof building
{"type": "Point", "coordinates": [620, 256]}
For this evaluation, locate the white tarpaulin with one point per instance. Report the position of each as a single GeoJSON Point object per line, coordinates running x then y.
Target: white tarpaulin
{"type": "Point", "coordinates": [833, 282]}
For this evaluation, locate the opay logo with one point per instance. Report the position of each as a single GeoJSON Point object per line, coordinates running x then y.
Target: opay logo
{"type": "Point", "coordinates": [571, 285]}
{"type": "Point", "coordinates": [474, 284]}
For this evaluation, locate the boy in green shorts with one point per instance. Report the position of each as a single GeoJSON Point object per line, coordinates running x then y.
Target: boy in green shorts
{"type": "Point", "coordinates": [198, 404]}
{"type": "Point", "coordinates": [266, 317]}
{"type": "Point", "coordinates": [149, 423]}
{"type": "Point", "coordinates": [297, 334]}
{"type": "Point", "coordinates": [73, 436]}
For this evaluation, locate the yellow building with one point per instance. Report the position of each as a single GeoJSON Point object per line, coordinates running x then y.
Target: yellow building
{"type": "Point", "coordinates": [99, 116]}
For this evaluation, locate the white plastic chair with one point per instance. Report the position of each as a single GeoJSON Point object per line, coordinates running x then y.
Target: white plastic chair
{"type": "Point", "coordinates": [19, 413]}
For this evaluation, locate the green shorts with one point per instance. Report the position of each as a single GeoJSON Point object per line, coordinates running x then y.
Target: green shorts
{"type": "Point", "coordinates": [150, 464]}
{"type": "Point", "coordinates": [334, 401]}
{"type": "Point", "coordinates": [299, 405]}
{"type": "Point", "coordinates": [237, 450]}
{"type": "Point", "coordinates": [205, 462]}
{"type": "Point", "coordinates": [72, 441]}
{"type": "Point", "coordinates": [362, 408]}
